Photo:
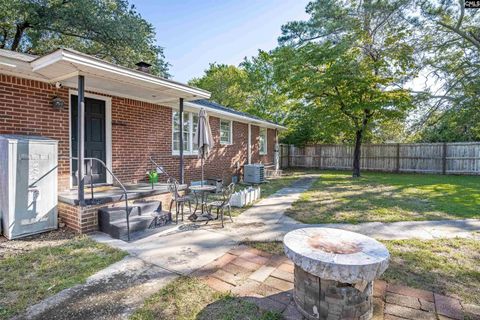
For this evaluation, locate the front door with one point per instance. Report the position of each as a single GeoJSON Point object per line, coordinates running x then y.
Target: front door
{"type": "Point", "coordinates": [95, 141]}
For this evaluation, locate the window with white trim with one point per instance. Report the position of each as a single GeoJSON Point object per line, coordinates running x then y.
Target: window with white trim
{"type": "Point", "coordinates": [263, 141]}
{"type": "Point", "coordinates": [226, 132]}
{"type": "Point", "coordinates": [190, 122]}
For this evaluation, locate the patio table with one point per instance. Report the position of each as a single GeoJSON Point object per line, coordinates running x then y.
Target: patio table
{"type": "Point", "coordinates": [201, 195]}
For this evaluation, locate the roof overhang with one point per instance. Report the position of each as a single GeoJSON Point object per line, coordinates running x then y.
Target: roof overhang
{"type": "Point", "coordinates": [64, 66]}
{"type": "Point", "coordinates": [191, 106]}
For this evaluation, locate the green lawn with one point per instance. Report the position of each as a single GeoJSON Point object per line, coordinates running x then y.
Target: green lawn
{"type": "Point", "coordinates": [30, 275]}
{"type": "Point", "coordinates": [446, 266]}
{"type": "Point", "coordinates": [337, 197]}
{"type": "Point", "coordinates": [188, 298]}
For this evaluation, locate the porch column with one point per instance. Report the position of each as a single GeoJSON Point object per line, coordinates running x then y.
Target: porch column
{"type": "Point", "coordinates": [181, 173]}
{"type": "Point", "coordinates": [81, 138]}
{"type": "Point", "coordinates": [249, 144]}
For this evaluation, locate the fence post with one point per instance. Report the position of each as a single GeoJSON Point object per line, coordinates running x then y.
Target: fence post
{"type": "Point", "coordinates": [320, 156]}
{"type": "Point", "coordinates": [444, 159]}
{"type": "Point", "coordinates": [288, 159]}
{"type": "Point", "coordinates": [398, 158]}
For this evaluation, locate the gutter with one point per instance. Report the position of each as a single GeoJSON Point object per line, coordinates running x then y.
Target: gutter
{"type": "Point", "coordinates": [241, 118]}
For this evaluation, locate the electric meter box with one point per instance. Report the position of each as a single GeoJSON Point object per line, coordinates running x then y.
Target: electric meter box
{"type": "Point", "coordinates": [28, 185]}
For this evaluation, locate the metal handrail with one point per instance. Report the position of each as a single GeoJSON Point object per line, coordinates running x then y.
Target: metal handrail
{"type": "Point", "coordinates": [158, 167]}
{"type": "Point", "coordinates": [127, 211]}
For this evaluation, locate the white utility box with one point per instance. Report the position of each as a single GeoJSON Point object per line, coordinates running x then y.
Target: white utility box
{"type": "Point", "coordinates": [28, 185]}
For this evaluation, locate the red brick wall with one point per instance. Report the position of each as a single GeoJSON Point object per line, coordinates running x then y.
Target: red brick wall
{"type": "Point", "coordinates": [139, 129]}
{"type": "Point", "coordinates": [256, 156]}
{"type": "Point", "coordinates": [25, 108]}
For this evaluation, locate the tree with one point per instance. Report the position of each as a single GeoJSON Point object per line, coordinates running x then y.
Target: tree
{"type": "Point", "coordinates": [110, 30]}
{"type": "Point", "coordinates": [265, 98]}
{"type": "Point", "coordinates": [350, 60]}
{"type": "Point", "coordinates": [451, 42]}
{"type": "Point", "coordinates": [226, 83]}
{"type": "Point", "coordinates": [250, 87]}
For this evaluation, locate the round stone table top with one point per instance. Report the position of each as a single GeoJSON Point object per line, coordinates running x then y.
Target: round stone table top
{"type": "Point", "coordinates": [335, 254]}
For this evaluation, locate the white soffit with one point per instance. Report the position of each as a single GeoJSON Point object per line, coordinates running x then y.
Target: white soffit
{"type": "Point", "coordinates": [65, 65]}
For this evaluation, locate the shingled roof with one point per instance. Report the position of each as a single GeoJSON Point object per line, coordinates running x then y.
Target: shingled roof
{"type": "Point", "coordinates": [214, 105]}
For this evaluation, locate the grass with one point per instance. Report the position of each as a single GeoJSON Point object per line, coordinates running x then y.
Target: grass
{"type": "Point", "coordinates": [29, 276]}
{"type": "Point", "coordinates": [188, 298]}
{"type": "Point", "coordinates": [273, 247]}
{"type": "Point", "coordinates": [445, 266]}
{"type": "Point", "coordinates": [338, 198]}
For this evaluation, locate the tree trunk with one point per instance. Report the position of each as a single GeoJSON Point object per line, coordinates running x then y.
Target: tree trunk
{"type": "Point", "coordinates": [19, 34]}
{"type": "Point", "coordinates": [367, 114]}
{"type": "Point", "coordinates": [357, 153]}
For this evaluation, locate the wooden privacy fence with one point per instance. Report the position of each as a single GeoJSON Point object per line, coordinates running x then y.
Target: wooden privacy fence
{"type": "Point", "coordinates": [444, 158]}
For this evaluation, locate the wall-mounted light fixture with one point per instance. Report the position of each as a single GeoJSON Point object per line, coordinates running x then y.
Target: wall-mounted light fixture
{"type": "Point", "coordinates": [58, 103]}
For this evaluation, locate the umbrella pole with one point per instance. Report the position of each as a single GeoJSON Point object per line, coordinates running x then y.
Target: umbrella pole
{"type": "Point", "coordinates": [202, 173]}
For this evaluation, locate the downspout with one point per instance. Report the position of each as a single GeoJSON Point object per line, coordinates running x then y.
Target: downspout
{"type": "Point", "coordinates": [181, 173]}
{"type": "Point", "coordinates": [81, 139]}
{"type": "Point", "coordinates": [277, 152]}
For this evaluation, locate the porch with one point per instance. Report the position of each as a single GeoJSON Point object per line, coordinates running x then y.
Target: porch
{"type": "Point", "coordinates": [105, 195]}
{"type": "Point", "coordinates": [109, 107]}
{"type": "Point", "coordinates": [141, 200]}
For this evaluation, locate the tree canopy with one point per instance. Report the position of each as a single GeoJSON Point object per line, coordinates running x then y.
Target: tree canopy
{"type": "Point", "coordinates": [111, 30]}
{"type": "Point", "coordinates": [451, 46]}
{"type": "Point", "coordinates": [250, 87]}
{"type": "Point", "coordinates": [349, 61]}
{"type": "Point", "coordinates": [226, 83]}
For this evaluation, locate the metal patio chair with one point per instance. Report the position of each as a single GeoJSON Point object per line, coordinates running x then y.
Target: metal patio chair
{"type": "Point", "coordinates": [220, 205]}
{"type": "Point", "coordinates": [178, 199]}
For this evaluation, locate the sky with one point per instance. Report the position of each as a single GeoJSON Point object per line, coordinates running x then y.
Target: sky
{"type": "Point", "coordinates": [195, 33]}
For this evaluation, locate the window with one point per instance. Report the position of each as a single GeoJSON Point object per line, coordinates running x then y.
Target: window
{"type": "Point", "coordinates": [225, 132]}
{"type": "Point", "coordinates": [263, 141]}
{"type": "Point", "coordinates": [190, 122]}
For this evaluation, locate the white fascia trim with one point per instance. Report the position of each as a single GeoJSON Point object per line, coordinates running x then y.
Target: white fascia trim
{"type": "Point", "coordinates": [235, 117]}
{"type": "Point", "coordinates": [75, 58]}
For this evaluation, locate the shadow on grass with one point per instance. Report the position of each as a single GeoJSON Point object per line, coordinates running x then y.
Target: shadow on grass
{"type": "Point", "coordinates": [446, 266]}
{"type": "Point", "coordinates": [238, 308]}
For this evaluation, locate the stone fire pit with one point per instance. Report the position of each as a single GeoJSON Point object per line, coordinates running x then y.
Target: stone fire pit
{"type": "Point", "coordinates": [334, 270]}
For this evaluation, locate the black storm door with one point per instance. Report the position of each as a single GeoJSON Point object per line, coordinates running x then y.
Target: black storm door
{"type": "Point", "coordinates": [95, 139]}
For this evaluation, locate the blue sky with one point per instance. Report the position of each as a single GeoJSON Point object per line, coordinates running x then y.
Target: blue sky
{"type": "Point", "coordinates": [197, 32]}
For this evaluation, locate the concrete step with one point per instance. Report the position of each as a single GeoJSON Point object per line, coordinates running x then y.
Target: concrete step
{"type": "Point", "coordinates": [114, 222]}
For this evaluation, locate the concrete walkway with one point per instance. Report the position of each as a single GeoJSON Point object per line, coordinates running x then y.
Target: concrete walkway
{"type": "Point", "coordinates": [181, 250]}
{"type": "Point", "coordinates": [155, 260]}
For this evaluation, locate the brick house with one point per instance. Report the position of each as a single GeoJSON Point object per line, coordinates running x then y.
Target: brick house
{"type": "Point", "coordinates": [129, 116]}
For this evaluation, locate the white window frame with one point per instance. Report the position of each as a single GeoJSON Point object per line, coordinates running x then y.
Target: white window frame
{"type": "Point", "coordinates": [191, 133]}
{"type": "Point", "coordinates": [263, 131]}
{"type": "Point", "coordinates": [230, 124]}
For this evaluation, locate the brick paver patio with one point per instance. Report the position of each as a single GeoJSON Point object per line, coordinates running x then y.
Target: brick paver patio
{"type": "Point", "coordinates": [267, 280]}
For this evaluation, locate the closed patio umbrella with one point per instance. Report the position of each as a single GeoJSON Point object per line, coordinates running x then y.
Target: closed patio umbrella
{"type": "Point", "coordinates": [203, 138]}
